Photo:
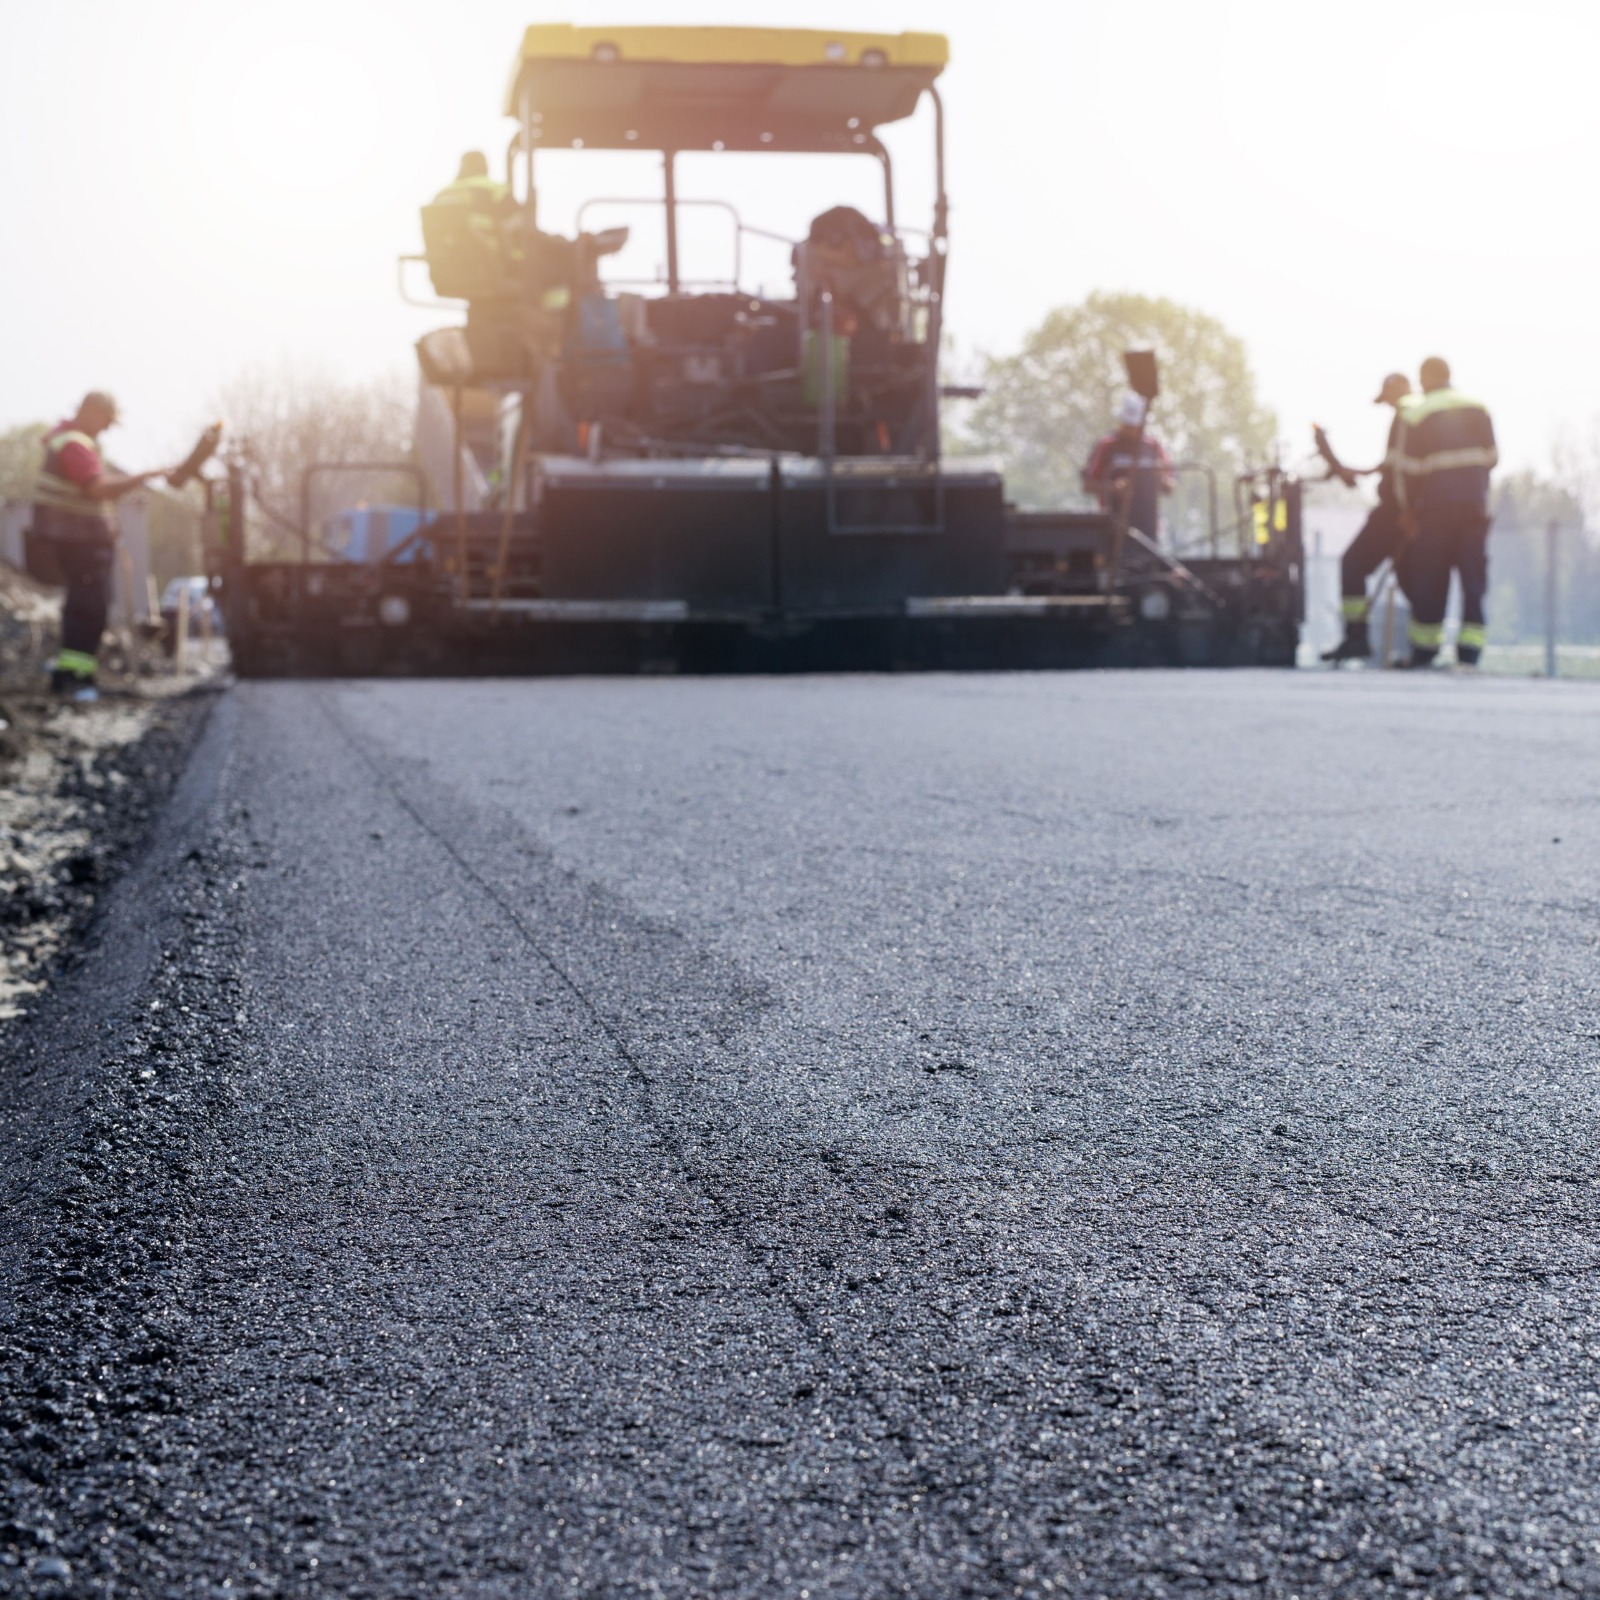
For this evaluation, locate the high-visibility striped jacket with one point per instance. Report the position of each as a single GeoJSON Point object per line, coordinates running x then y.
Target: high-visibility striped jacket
{"type": "Point", "coordinates": [1444, 451]}
{"type": "Point", "coordinates": [484, 193]}
{"type": "Point", "coordinates": [479, 206]}
{"type": "Point", "coordinates": [71, 465]}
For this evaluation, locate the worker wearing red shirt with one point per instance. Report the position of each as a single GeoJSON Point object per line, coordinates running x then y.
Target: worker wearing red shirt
{"type": "Point", "coordinates": [72, 511]}
{"type": "Point", "coordinates": [1131, 465]}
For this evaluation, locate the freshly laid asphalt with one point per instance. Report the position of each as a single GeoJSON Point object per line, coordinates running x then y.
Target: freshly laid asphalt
{"type": "Point", "coordinates": [1084, 1135]}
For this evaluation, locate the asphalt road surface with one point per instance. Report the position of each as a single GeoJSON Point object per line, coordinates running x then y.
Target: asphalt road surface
{"type": "Point", "coordinates": [921, 1136]}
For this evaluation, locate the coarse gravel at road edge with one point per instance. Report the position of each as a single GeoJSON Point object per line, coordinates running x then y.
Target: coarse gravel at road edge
{"type": "Point", "coordinates": [79, 786]}
{"type": "Point", "coordinates": [1103, 1135]}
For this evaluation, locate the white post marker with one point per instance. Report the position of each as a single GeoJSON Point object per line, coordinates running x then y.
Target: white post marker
{"type": "Point", "coordinates": [207, 652]}
{"type": "Point", "coordinates": [1552, 559]}
{"type": "Point", "coordinates": [180, 631]}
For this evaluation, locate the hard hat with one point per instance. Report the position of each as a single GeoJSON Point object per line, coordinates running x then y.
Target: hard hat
{"type": "Point", "coordinates": [1395, 385]}
{"type": "Point", "coordinates": [1131, 412]}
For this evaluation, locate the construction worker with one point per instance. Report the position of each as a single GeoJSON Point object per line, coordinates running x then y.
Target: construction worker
{"type": "Point", "coordinates": [72, 511]}
{"type": "Point", "coordinates": [1131, 465]}
{"type": "Point", "coordinates": [472, 186]}
{"type": "Point", "coordinates": [1379, 540]}
{"type": "Point", "coordinates": [483, 247]}
{"type": "Point", "coordinates": [464, 233]}
{"type": "Point", "coordinates": [1446, 451]}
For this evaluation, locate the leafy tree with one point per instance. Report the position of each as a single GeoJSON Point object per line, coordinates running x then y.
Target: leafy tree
{"type": "Point", "coordinates": [20, 454]}
{"type": "Point", "coordinates": [1046, 405]}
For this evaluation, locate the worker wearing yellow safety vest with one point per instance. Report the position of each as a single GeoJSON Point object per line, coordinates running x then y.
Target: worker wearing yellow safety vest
{"type": "Point", "coordinates": [505, 237]}
{"type": "Point", "coordinates": [472, 186]}
{"type": "Point", "coordinates": [72, 518]}
{"type": "Point", "coordinates": [485, 206]}
{"type": "Point", "coordinates": [1445, 453]}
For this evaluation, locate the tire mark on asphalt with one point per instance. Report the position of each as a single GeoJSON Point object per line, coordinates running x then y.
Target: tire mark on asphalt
{"type": "Point", "coordinates": [670, 1139]}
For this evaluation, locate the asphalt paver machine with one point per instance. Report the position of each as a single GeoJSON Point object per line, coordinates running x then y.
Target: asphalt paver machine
{"type": "Point", "coordinates": [683, 474]}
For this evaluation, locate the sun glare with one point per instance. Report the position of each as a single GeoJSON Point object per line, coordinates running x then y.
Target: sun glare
{"type": "Point", "coordinates": [296, 120]}
{"type": "Point", "coordinates": [1476, 83]}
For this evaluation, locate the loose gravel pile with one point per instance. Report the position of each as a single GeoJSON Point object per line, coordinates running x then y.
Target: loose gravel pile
{"type": "Point", "coordinates": [78, 785]}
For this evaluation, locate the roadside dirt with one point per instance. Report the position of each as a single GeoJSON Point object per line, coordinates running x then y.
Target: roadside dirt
{"type": "Point", "coordinates": [78, 784]}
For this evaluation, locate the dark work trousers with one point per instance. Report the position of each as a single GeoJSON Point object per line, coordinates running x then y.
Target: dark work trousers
{"type": "Point", "coordinates": [1379, 539]}
{"type": "Point", "coordinates": [86, 562]}
{"type": "Point", "coordinates": [1448, 538]}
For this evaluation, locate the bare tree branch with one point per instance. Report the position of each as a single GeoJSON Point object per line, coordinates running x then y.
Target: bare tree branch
{"type": "Point", "coordinates": [291, 418]}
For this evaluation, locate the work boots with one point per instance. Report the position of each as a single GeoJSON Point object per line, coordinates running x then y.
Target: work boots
{"type": "Point", "coordinates": [1355, 646]}
{"type": "Point", "coordinates": [73, 686]}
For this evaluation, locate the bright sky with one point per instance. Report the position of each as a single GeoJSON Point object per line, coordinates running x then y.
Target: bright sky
{"type": "Point", "coordinates": [190, 189]}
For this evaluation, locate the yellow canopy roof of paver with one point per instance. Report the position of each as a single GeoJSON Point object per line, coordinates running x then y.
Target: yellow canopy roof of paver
{"type": "Point", "coordinates": [728, 88]}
